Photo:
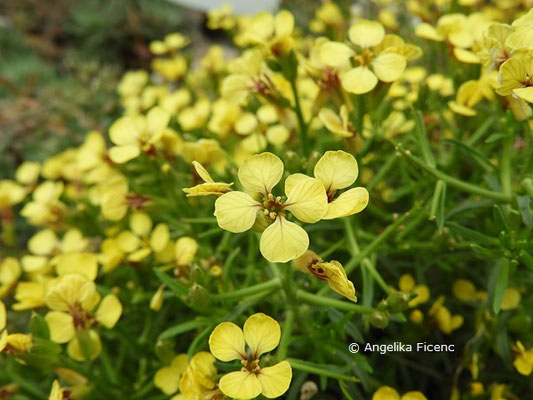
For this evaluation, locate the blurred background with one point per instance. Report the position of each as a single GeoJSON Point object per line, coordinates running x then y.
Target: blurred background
{"type": "Point", "coordinates": [60, 62]}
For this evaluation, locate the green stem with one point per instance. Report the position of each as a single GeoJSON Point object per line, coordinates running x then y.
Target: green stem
{"type": "Point", "coordinates": [286, 334]}
{"type": "Point", "coordinates": [505, 167]}
{"type": "Point", "coordinates": [241, 293]}
{"type": "Point", "coordinates": [467, 187]}
{"type": "Point", "coordinates": [350, 266]}
{"type": "Point", "coordinates": [328, 302]}
{"type": "Point", "coordinates": [354, 249]}
{"type": "Point", "coordinates": [301, 365]}
{"type": "Point", "coordinates": [301, 121]}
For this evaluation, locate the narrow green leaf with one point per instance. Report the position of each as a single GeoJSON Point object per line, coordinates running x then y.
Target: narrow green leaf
{"type": "Point", "coordinates": [178, 288]}
{"type": "Point", "coordinates": [524, 205]}
{"type": "Point", "coordinates": [498, 280]}
{"type": "Point", "coordinates": [500, 219]}
{"type": "Point", "coordinates": [423, 142]}
{"type": "Point", "coordinates": [182, 328]}
{"type": "Point", "coordinates": [437, 205]}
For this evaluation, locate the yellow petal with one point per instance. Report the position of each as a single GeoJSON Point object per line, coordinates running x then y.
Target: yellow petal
{"type": "Point", "coordinates": [277, 134]}
{"type": "Point", "coordinates": [413, 396]}
{"type": "Point", "coordinates": [208, 189]}
{"type": "Point", "coordinates": [524, 93]}
{"type": "Point", "coordinates": [511, 299]}
{"type": "Point", "coordinates": [139, 255]}
{"type": "Point", "coordinates": [128, 242]}
{"type": "Point", "coordinates": [236, 211]}
{"type": "Point", "coordinates": [386, 393]}
{"type": "Point", "coordinates": [422, 292]}
{"type": "Point", "coordinates": [333, 272]}
{"type": "Point", "coordinates": [202, 172]}
{"type": "Point", "coordinates": [283, 241]}
{"type": "Point", "coordinates": [333, 122]}
{"type": "Point", "coordinates": [227, 342]}
{"type": "Point", "coordinates": [406, 283]}
{"type": "Point", "coordinates": [366, 33]}
{"type": "Point", "coordinates": [125, 131]}
{"type": "Point", "coordinates": [427, 31]}
{"type": "Point", "coordinates": [70, 289]}
{"type": "Point", "coordinates": [240, 385]}
{"type": "Point", "coordinates": [74, 348]}
{"type": "Point", "coordinates": [308, 200]}
{"type": "Point", "coordinates": [292, 180]}
{"type": "Point", "coordinates": [109, 311]}
{"type": "Point", "coordinates": [156, 302]}
{"type": "Point", "coordinates": [466, 56]}
{"type": "Point", "coordinates": [140, 224]}
{"type": "Point", "coordinates": [521, 38]}
{"type": "Point", "coordinates": [348, 203]}
{"type": "Point", "coordinates": [260, 173]}
{"type": "Point", "coordinates": [336, 170]}
{"type": "Point", "coordinates": [262, 334]}
{"type": "Point", "coordinates": [160, 237]}
{"type": "Point", "coordinates": [61, 326]}
{"type": "Point", "coordinates": [275, 380]}
{"type": "Point", "coordinates": [167, 380]}
{"type": "Point", "coordinates": [122, 154]}
{"type": "Point", "coordinates": [246, 123]}
{"type": "Point", "coordinates": [284, 23]}
{"type": "Point", "coordinates": [359, 80]}
{"type": "Point", "coordinates": [85, 264]}
{"type": "Point", "coordinates": [203, 366]}
{"type": "Point", "coordinates": [335, 54]}
{"type": "Point", "coordinates": [185, 250]}
{"type": "Point", "coordinates": [2, 316]}
{"type": "Point", "coordinates": [156, 121]}
{"type": "Point", "coordinates": [43, 242]}
{"type": "Point", "coordinates": [389, 66]}
{"type": "Point", "coordinates": [254, 143]}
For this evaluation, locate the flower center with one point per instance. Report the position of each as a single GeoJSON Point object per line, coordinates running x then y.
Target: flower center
{"type": "Point", "coordinates": [251, 366]}
{"type": "Point", "coordinates": [273, 206]}
{"type": "Point", "coordinates": [81, 318]}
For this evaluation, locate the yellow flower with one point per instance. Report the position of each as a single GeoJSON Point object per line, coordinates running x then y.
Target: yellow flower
{"type": "Point", "coordinates": [522, 37]}
{"type": "Point", "coordinates": [339, 125]}
{"type": "Point", "coordinates": [336, 170]}
{"type": "Point", "coordinates": [282, 240]}
{"type": "Point", "coordinates": [523, 359]}
{"type": "Point", "coordinates": [246, 77]}
{"type": "Point", "coordinates": [135, 133]}
{"type": "Point", "coordinates": [446, 322]}
{"type": "Point", "coordinates": [141, 240]}
{"type": "Point", "coordinates": [330, 271]}
{"type": "Point", "coordinates": [171, 43]}
{"type": "Point", "coordinates": [13, 344]}
{"type": "Point", "coordinates": [274, 33]}
{"type": "Point", "coordinates": [388, 393]}
{"type": "Point", "coordinates": [72, 300]}
{"type": "Point", "coordinates": [57, 392]}
{"type": "Point", "coordinates": [28, 172]}
{"type": "Point", "coordinates": [516, 76]}
{"type": "Point", "coordinates": [11, 193]}
{"type": "Point", "coordinates": [220, 18]}
{"type": "Point", "coordinates": [511, 299]}
{"type": "Point", "coordinates": [197, 382]}
{"type": "Point", "coordinates": [168, 378]}
{"type": "Point", "coordinates": [209, 187]}
{"type": "Point", "coordinates": [45, 206]}
{"type": "Point", "coordinates": [382, 57]}
{"type": "Point", "coordinates": [262, 334]}
{"type": "Point", "coordinates": [408, 285]}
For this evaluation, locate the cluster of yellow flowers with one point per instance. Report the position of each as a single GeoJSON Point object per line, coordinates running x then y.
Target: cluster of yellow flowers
{"type": "Point", "coordinates": [128, 198]}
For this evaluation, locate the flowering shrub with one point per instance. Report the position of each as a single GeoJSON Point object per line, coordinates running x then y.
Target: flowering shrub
{"type": "Point", "coordinates": [363, 179]}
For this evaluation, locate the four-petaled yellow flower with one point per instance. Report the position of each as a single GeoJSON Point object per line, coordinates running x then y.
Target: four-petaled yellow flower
{"type": "Point", "coordinates": [516, 76]}
{"type": "Point", "coordinates": [262, 334]}
{"type": "Point", "coordinates": [282, 240]}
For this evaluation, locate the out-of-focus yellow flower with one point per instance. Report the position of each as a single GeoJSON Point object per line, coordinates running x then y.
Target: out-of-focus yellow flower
{"type": "Point", "coordinates": [471, 93]}
{"type": "Point", "coordinates": [522, 36]}
{"type": "Point", "coordinates": [198, 380]}
{"type": "Point", "coordinates": [382, 57]}
{"type": "Point", "coordinates": [446, 322]}
{"type": "Point", "coordinates": [339, 125]}
{"type": "Point", "coordinates": [516, 76]}
{"type": "Point", "coordinates": [282, 240]}
{"type": "Point", "coordinates": [388, 393]}
{"type": "Point", "coordinates": [408, 285]}
{"type": "Point", "coordinates": [167, 379]}
{"type": "Point", "coordinates": [11, 193]}
{"type": "Point", "coordinates": [262, 334]}
{"type": "Point", "coordinates": [15, 343]}
{"type": "Point", "coordinates": [511, 299]}
{"type": "Point", "coordinates": [171, 43]}
{"type": "Point", "coordinates": [133, 134]}
{"type": "Point", "coordinates": [273, 33]}
{"type": "Point", "coordinates": [72, 300]}
{"type": "Point", "coordinates": [28, 172]}
{"type": "Point", "coordinates": [330, 271]}
{"type": "Point", "coordinates": [45, 206]}
{"type": "Point", "coordinates": [523, 361]}
{"type": "Point", "coordinates": [221, 18]}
